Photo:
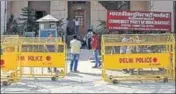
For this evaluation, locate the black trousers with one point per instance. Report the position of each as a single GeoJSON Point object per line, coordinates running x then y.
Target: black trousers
{"type": "Point", "coordinates": [89, 43]}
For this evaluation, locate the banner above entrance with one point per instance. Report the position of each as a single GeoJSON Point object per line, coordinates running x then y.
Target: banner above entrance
{"type": "Point", "coordinates": [138, 20]}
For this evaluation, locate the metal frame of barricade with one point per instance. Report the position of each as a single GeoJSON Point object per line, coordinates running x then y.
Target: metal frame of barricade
{"type": "Point", "coordinates": [10, 67]}
{"type": "Point", "coordinates": [174, 57]}
{"type": "Point", "coordinates": [6, 36]}
{"type": "Point", "coordinates": [43, 53]}
{"type": "Point", "coordinates": [159, 58]}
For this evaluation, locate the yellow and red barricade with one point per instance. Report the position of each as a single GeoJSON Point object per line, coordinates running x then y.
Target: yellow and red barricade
{"type": "Point", "coordinates": [43, 57]}
{"type": "Point", "coordinates": [145, 57]}
{"type": "Point", "coordinates": [10, 66]}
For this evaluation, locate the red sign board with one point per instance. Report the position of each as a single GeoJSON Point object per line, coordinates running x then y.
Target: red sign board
{"type": "Point", "coordinates": [138, 20]}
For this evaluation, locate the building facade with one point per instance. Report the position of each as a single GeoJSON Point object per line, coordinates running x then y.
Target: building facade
{"type": "Point", "coordinates": [88, 12]}
{"type": "Point", "coordinates": [0, 16]}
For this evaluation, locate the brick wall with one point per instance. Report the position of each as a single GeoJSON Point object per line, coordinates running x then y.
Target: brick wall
{"type": "Point", "coordinates": [165, 6]}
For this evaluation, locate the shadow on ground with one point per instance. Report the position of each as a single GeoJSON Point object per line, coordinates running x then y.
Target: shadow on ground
{"type": "Point", "coordinates": [91, 74]}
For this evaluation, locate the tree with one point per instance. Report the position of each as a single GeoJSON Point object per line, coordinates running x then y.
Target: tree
{"type": "Point", "coordinates": [28, 20]}
{"type": "Point", "coordinates": [101, 28]}
{"type": "Point", "coordinates": [12, 25]}
{"type": "Point", "coordinates": [60, 30]}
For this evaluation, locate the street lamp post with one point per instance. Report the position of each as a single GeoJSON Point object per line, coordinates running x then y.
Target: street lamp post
{"type": "Point", "coordinates": [5, 16]}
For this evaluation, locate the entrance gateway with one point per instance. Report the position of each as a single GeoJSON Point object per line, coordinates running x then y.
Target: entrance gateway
{"type": "Point", "coordinates": [80, 10]}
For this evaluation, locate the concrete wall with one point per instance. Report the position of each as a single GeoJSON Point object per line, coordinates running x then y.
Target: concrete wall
{"type": "Point", "coordinates": [9, 9]}
{"type": "Point", "coordinates": [17, 6]}
{"type": "Point", "coordinates": [59, 9]}
{"type": "Point", "coordinates": [139, 5]}
{"type": "Point", "coordinates": [40, 5]}
{"type": "Point", "coordinates": [98, 12]}
{"type": "Point", "coordinates": [164, 6]}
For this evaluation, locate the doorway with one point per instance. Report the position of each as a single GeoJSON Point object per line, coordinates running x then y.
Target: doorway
{"type": "Point", "coordinates": [39, 14]}
{"type": "Point", "coordinates": [80, 15]}
{"type": "Point", "coordinates": [81, 11]}
{"type": "Point", "coordinates": [40, 11]}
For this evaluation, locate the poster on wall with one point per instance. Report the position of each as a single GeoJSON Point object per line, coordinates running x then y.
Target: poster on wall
{"type": "Point", "coordinates": [138, 20]}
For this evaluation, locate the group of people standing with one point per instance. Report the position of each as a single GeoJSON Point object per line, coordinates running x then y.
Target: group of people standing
{"type": "Point", "coordinates": [91, 40]}
{"type": "Point", "coordinates": [75, 45]}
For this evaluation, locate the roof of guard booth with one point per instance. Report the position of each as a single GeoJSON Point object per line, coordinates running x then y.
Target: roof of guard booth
{"type": "Point", "coordinates": [48, 18]}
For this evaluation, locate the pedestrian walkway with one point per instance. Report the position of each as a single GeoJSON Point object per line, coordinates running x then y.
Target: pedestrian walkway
{"type": "Point", "coordinates": [84, 55]}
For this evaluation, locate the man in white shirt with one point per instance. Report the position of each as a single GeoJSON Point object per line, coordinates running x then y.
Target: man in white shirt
{"type": "Point", "coordinates": [123, 48]}
{"type": "Point", "coordinates": [75, 45]}
{"type": "Point", "coordinates": [76, 26]}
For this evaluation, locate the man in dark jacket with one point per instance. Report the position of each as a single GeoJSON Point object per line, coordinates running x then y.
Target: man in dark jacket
{"type": "Point", "coordinates": [89, 37]}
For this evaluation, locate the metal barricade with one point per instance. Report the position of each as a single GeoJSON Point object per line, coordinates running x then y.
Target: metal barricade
{"type": "Point", "coordinates": [8, 36]}
{"type": "Point", "coordinates": [138, 57]}
{"type": "Point", "coordinates": [10, 66]}
{"type": "Point", "coordinates": [174, 58]}
{"type": "Point", "coordinates": [41, 55]}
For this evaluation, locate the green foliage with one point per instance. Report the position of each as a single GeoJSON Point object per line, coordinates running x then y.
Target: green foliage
{"type": "Point", "coordinates": [28, 20]}
{"type": "Point", "coordinates": [60, 30]}
{"type": "Point", "coordinates": [101, 28]}
{"type": "Point", "coordinates": [60, 23]}
{"type": "Point", "coordinates": [12, 26]}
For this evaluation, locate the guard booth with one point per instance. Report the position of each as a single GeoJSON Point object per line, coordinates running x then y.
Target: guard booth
{"type": "Point", "coordinates": [10, 66]}
{"type": "Point", "coordinates": [43, 58]}
{"type": "Point", "coordinates": [138, 57]}
{"type": "Point", "coordinates": [48, 26]}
